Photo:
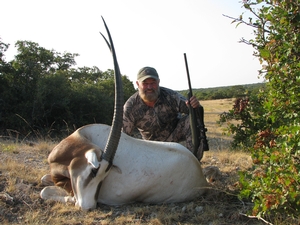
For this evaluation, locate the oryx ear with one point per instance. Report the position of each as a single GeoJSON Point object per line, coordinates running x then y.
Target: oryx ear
{"type": "Point", "coordinates": [47, 180]}
{"type": "Point", "coordinates": [117, 169]}
{"type": "Point", "coordinates": [92, 158]}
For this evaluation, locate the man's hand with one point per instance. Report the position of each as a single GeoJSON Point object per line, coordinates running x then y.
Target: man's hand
{"type": "Point", "coordinates": [194, 102]}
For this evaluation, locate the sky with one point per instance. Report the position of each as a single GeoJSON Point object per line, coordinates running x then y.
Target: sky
{"type": "Point", "coordinates": [153, 33]}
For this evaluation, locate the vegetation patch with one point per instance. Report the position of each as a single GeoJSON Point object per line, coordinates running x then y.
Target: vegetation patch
{"type": "Point", "coordinates": [20, 186]}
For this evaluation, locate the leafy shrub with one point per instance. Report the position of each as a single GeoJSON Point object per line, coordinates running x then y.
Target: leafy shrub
{"type": "Point", "coordinates": [273, 183]}
{"type": "Point", "coordinates": [42, 94]}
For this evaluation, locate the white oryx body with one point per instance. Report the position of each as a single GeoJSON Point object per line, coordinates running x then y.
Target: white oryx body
{"type": "Point", "coordinates": [144, 171]}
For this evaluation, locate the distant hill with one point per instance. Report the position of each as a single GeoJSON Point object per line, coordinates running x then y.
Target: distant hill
{"type": "Point", "coordinates": [226, 91]}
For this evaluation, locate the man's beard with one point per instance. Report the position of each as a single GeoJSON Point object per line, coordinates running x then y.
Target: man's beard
{"type": "Point", "coordinates": [149, 96]}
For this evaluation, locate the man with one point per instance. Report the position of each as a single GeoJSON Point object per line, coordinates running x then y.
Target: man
{"type": "Point", "coordinates": [159, 113]}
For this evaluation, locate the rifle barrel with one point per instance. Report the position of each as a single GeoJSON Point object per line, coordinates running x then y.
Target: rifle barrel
{"type": "Point", "coordinates": [188, 74]}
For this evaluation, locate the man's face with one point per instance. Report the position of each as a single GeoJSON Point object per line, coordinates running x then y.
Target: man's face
{"type": "Point", "coordinates": [149, 89]}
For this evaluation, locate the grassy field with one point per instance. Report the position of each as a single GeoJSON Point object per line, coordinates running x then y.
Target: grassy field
{"type": "Point", "coordinates": [212, 110]}
{"type": "Point", "coordinates": [23, 164]}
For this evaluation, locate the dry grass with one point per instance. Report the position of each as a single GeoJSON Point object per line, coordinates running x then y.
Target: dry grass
{"type": "Point", "coordinates": [22, 166]}
{"type": "Point", "coordinates": [212, 110]}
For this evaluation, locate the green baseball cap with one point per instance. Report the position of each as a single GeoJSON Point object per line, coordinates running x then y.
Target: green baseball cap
{"type": "Point", "coordinates": [147, 72]}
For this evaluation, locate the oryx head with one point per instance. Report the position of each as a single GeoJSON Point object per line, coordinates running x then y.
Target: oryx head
{"type": "Point", "coordinates": [94, 166]}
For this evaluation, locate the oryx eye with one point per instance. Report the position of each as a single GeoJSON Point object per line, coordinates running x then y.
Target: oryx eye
{"type": "Point", "coordinates": [94, 172]}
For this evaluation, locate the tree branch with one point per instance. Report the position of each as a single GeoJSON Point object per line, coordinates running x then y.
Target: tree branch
{"type": "Point", "coordinates": [241, 21]}
{"type": "Point", "coordinates": [256, 217]}
{"type": "Point", "coordinates": [249, 24]}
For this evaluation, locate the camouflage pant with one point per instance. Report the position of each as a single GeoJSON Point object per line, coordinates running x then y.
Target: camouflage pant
{"type": "Point", "coordinates": [182, 132]}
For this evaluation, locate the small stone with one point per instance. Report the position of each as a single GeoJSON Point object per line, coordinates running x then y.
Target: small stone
{"type": "Point", "coordinates": [199, 209]}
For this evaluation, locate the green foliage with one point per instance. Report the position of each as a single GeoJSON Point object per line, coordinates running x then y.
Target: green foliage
{"type": "Point", "coordinates": [5, 147]}
{"type": "Point", "coordinates": [273, 184]}
{"type": "Point", "coordinates": [3, 49]}
{"type": "Point", "coordinates": [244, 120]}
{"type": "Point", "coordinates": [41, 92]}
{"type": "Point", "coordinates": [235, 91]}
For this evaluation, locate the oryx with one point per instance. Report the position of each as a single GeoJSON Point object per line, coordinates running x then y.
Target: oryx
{"type": "Point", "coordinates": [98, 163]}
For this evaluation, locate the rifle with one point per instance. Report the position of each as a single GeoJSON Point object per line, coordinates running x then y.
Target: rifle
{"type": "Point", "coordinates": [196, 122]}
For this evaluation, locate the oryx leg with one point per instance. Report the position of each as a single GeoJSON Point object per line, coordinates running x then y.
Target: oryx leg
{"type": "Point", "coordinates": [57, 194]}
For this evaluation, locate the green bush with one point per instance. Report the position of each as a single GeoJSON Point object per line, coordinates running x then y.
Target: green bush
{"type": "Point", "coordinates": [273, 183]}
{"type": "Point", "coordinates": [244, 120]}
{"type": "Point", "coordinates": [42, 93]}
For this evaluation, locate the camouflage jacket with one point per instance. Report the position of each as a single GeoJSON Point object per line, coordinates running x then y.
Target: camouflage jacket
{"type": "Point", "coordinates": [154, 123]}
